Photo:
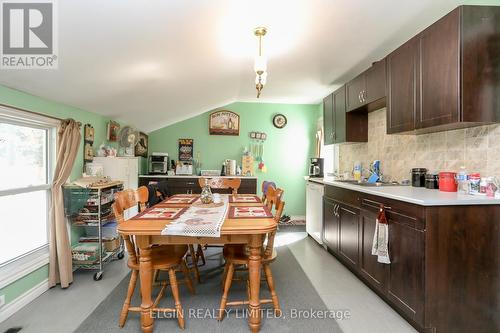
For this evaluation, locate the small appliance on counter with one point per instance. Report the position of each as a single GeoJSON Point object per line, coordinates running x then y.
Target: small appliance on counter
{"type": "Point", "coordinates": [158, 163]}
{"type": "Point", "coordinates": [316, 167]}
{"type": "Point", "coordinates": [184, 168]}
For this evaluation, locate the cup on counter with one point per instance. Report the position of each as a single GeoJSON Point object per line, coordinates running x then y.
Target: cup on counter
{"type": "Point", "coordinates": [217, 198]}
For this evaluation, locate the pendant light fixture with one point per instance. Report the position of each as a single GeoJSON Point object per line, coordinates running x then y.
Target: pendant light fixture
{"type": "Point", "coordinates": [260, 64]}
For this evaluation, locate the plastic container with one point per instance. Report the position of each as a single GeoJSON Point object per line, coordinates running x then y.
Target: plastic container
{"type": "Point", "coordinates": [447, 182]}
{"type": "Point", "coordinates": [474, 183]}
{"type": "Point", "coordinates": [418, 177]}
{"type": "Point", "coordinates": [463, 181]}
{"type": "Point", "coordinates": [432, 181]}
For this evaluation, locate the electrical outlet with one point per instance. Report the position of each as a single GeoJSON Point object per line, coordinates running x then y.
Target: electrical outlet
{"type": "Point", "coordinates": [2, 300]}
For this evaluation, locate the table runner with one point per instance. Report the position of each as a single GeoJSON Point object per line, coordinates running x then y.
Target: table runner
{"type": "Point", "coordinates": [199, 222]}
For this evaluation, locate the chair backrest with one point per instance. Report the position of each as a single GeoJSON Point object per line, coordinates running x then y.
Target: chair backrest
{"type": "Point", "coordinates": [221, 183]}
{"type": "Point", "coordinates": [124, 200]}
{"type": "Point", "coordinates": [265, 185]}
{"type": "Point", "coordinates": [274, 199]}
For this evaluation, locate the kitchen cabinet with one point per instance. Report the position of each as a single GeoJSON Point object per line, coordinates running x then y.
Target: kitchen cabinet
{"type": "Point", "coordinates": [184, 185]}
{"type": "Point", "coordinates": [405, 274]}
{"type": "Point", "coordinates": [402, 72]}
{"type": "Point", "coordinates": [436, 280]}
{"type": "Point", "coordinates": [330, 225]}
{"type": "Point", "coordinates": [328, 120]}
{"type": "Point", "coordinates": [373, 271]}
{"type": "Point", "coordinates": [367, 88]}
{"type": "Point", "coordinates": [348, 219]}
{"type": "Point", "coordinates": [356, 92]}
{"type": "Point", "coordinates": [446, 77]}
{"type": "Point", "coordinates": [339, 126]}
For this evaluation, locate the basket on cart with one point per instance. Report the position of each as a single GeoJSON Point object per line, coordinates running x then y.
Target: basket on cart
{"type": "Point", "coordinates": [90, 209]}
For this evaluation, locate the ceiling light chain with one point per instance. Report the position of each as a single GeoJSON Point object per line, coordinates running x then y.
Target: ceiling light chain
{"type": "Point", "coordinates": [260, 64]}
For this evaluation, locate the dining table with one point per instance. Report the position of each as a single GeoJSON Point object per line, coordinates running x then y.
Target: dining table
{"type": "Point", "coordinates": [249, 231]}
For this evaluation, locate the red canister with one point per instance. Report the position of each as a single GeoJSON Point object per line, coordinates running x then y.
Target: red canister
{"type": "Point", "coordinates": [447, 181]}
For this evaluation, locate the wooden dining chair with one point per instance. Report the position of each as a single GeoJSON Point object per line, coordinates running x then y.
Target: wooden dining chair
{"type": "Point", "coordinates": [143, 198]}
{"type": "Point", "coordinates": [237, 255]}
{"type": "Point", "coordinates": [265, 185]}
{"type": "Point", "coordinates": [164, 258]}
{"type": "Point", "coordinates": [221, 183]}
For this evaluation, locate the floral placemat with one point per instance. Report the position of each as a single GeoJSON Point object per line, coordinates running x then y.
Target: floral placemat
{"type": "Point", "coordinates": [199, 222]}
{"type": "Point", "coordinates": [161, 213]}
{"type": "Point", "coordinates": [181, 199]}
{"type": "Point", "coordinates": [238, 198]}
{"type": "Point", "coordinates": [236, 212]}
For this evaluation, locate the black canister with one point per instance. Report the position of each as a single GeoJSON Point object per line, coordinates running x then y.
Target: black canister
{"type": "Point", "coordinates": [432, 181]}
{"type": "Point", "coordinates": [418, 177]}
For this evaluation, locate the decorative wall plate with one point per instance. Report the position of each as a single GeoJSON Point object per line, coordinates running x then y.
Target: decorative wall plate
{"type": "Point", "coordinates": [279, 120]}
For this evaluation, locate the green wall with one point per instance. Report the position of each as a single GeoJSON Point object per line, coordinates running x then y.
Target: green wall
{"type": "Point", "coordinates": [286, 151]}
{"type": "Point", "coordinates": [36, 104]}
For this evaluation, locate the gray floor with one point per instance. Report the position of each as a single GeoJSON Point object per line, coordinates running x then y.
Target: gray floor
{"type": "Point", "coordinates": [337, 286]}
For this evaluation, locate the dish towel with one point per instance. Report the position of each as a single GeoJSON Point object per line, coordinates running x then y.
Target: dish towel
{"type": "Point", "coordinates": [380, 246]}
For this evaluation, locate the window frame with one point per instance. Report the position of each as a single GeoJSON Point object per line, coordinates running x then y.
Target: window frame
{"type": "Point", "coordinates": [26, 263]}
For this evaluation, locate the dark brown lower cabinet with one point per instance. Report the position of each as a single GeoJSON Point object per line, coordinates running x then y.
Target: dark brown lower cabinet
{"type": "Point", "coordinates": [348, 233]}
{"type": "Point", "coordinates": [373, 271]}
{"type": "Point", "coordinates": [330, 225]}
{"type": "Point", "coordinates": [405, 274]}
{"type": "Point", "coordinates": [183, 185]}
{"type": "Point", "coordinates": [444, 274]}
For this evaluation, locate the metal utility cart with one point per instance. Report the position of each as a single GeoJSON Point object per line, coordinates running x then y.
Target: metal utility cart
{"type": "Point", "coordinates": [89, 208]}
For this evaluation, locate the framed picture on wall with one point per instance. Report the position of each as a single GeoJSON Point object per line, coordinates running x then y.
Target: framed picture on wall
{"type": "Point", "coordinates": [88, 152]}
{"type": "Point", "coordinates": [88, 133]}
{"type": "Point", "coordinates": [141, 148]}
{"type": "Point", "coordinates": [224, 122]}
{"type": "Point", "coordinates": [112, 131]}
{"type": "Point", "coordinates": [186, 150]}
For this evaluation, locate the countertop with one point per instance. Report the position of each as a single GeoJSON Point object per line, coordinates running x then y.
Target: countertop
{"type": "Point", "coordinates": [416, 195]}
{"type": "Point", "coordinates": [193, 176]}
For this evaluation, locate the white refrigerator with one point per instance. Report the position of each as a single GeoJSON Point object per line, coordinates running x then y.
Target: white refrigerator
{"type": "Point", "coordinates": [125, 169]}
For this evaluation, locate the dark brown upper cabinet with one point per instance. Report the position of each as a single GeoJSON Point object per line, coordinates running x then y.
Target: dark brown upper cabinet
{"type": "Point", "coordinates": [355, 92]}
{"type": "Point", "coordinates": [402, 77]}
{"type": "Point", "coordinates": [341, 126]}
{"type": "Point", "coordinates": [448, 76]}
{"type": "Point", "coordinates": [367, 88]}
{"type": "Point", "coordinates": [328, 119]}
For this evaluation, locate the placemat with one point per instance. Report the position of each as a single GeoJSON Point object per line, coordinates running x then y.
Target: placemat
{"type": "Point", "coordinates": [181, 199]}
{"type": "Point", "coordinates": [236, 212]}
{"type": "Point", "coordinates": [161, 213]}
{"type": "Point", "coordinates": [239, 198]}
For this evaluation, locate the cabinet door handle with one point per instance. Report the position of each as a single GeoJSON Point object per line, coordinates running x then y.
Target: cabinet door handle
{"type": "Point", "coordinates": [190, 183]}
{"type": "Point", "coordinates": [331, 135]}
{"type": "Point", "coordinates": [363, 94]}
{"type": "Point", "coordinates": [377, 203]}
{"type": "Point", "coordinates": [359, 97]}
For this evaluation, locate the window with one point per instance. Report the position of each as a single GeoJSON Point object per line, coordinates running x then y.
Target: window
{"type": "Point", "coordinates": [27, 147]}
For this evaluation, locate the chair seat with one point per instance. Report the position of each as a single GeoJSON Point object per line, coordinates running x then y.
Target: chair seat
{"type": "Point", "coordinates": [164, 256]}
{"type": "Point", "coordinates": [238, 254]}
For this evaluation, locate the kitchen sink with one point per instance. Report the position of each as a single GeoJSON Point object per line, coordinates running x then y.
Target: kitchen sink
{"type": "Point", "coordinates": [365, 183]}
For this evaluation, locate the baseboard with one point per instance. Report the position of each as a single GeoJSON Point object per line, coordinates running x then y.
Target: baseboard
{"type": "Point", "coordinates": [297, 218]}
{"type": "Point", "coordinates": [16, 305]}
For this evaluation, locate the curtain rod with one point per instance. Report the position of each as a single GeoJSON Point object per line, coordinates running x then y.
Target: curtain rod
{"type": "Point", "coordinates": [33, 112]}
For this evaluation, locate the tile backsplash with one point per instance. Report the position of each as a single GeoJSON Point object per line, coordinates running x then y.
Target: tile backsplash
{"type": "Point", "coordinates": [476, 148]}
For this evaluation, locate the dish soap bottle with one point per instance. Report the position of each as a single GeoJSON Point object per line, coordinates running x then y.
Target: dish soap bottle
{"type": "Point", "coordinates": [206, 196]}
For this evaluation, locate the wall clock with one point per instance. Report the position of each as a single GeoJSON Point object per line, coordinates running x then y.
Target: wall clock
{"type": "Point", "coordinates": [279, 121]}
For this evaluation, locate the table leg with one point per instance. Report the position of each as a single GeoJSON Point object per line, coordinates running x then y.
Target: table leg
{"type": "Point", "coordinates": [146, 274]}
{"type": "Point", "coordinates": [254, 268]}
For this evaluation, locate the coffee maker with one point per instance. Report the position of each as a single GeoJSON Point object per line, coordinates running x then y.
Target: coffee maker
{"type": "Point", "coordinates": [316, 167]}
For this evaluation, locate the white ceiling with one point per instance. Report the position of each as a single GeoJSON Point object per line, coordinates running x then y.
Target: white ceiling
{"type": "Point", "coordinates": [152, 63]}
